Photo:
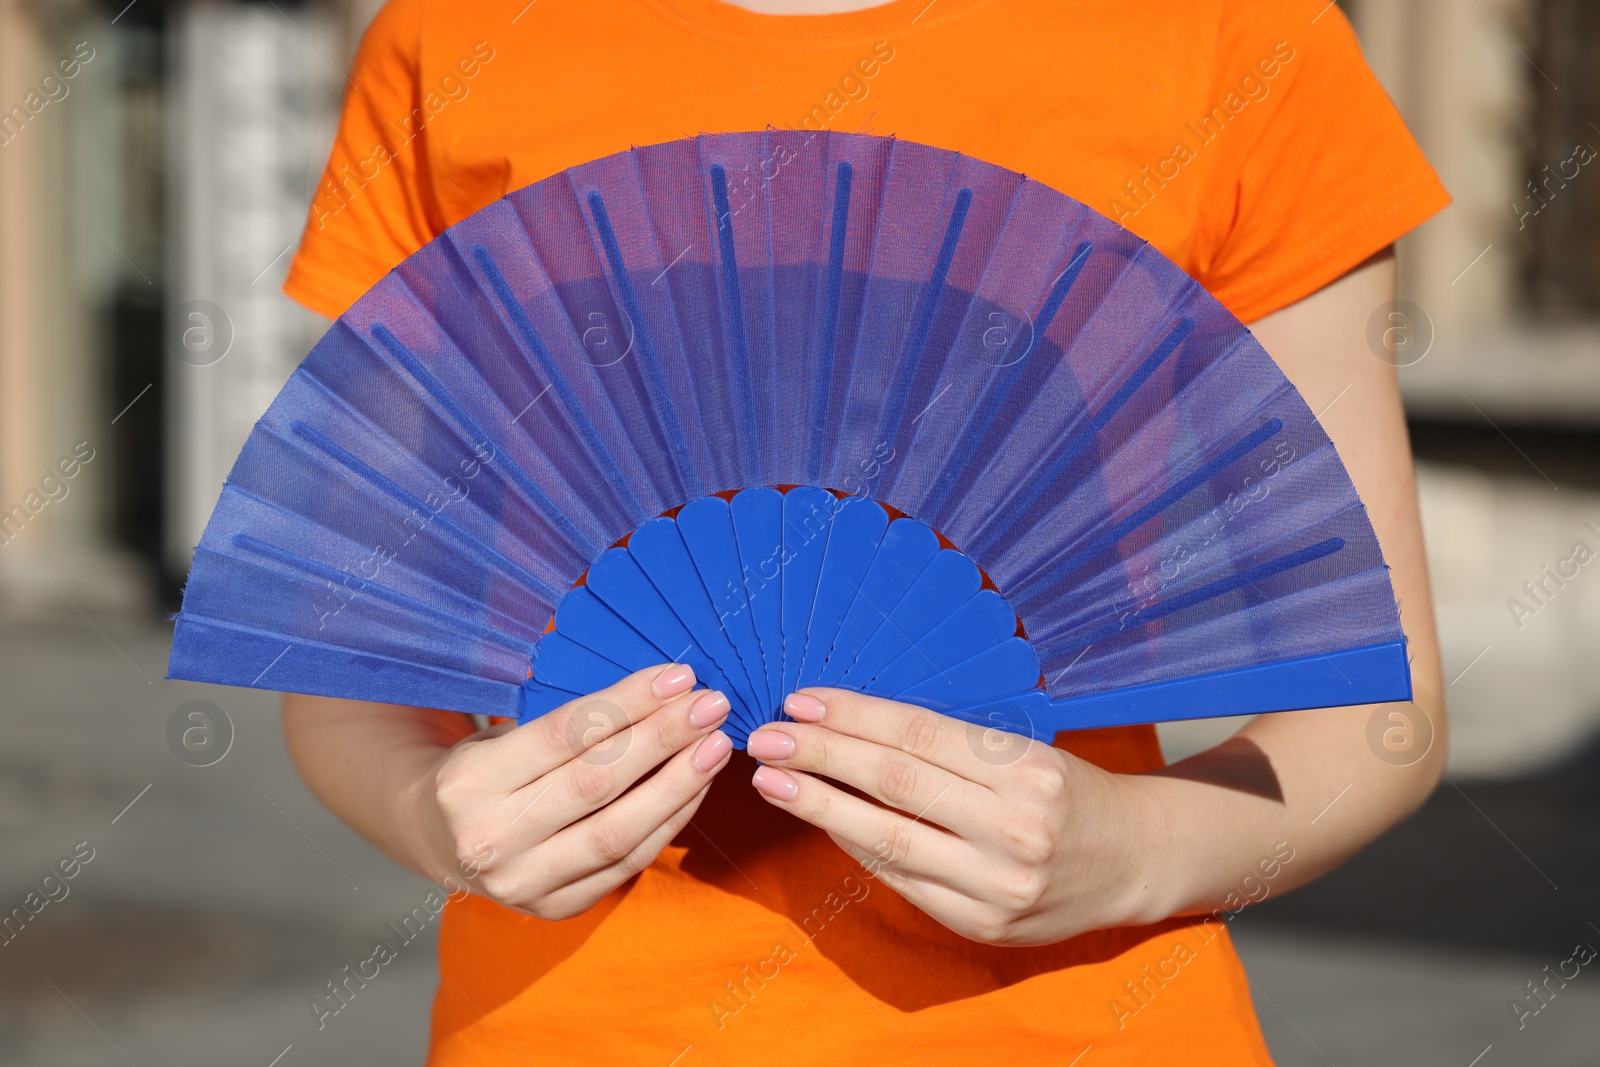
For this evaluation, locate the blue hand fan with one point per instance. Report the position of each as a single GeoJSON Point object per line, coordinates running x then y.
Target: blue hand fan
{"type": "Point", "coordinates": [796, 409]}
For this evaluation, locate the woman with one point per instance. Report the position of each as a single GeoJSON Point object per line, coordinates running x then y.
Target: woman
{"type": "Point", "coordinates": [901, 896]}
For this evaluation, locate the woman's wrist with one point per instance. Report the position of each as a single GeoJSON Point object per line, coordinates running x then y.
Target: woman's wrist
{"type": "Point", "coordinates": [373, 765]}
{"type": "Point", "coordinates": [1201, 842]}
{"type": "Point", "coordinates": [1141, 846]}
{"type": "Point", "coordinates": [426, 841]}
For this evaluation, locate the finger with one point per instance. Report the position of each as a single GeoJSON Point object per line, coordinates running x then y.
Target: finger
{"type": "Point", "coordinates": [613, 833]}
{"type": "Point", "coordinates": [898, 779]}
{"type": "Point", "coordinates": [603, 772]}
{"type": "Point", "coordinates": [583, 894]}
{"type": "Point", "coordinates": [962, 748]}
{"type": "Point", "coordinates": [892, 838]}
{"type": "Point", "coordinates": [530, 751]}
{"type": "Point", "coordinates": [955, 910]}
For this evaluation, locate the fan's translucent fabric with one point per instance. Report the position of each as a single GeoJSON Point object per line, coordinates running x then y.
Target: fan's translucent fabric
{"type": "Point", "coordinates": [870, 315]}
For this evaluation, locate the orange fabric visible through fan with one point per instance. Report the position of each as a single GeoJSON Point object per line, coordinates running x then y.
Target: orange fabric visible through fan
{"type": "Point", "coordinates": [1247, 140]}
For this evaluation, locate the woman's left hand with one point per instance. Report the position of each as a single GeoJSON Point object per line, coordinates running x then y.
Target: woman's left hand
{"type": "Point", "coordinates": [1004, 840]}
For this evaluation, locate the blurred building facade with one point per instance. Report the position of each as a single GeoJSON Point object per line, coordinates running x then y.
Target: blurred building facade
{"type": "Point", "coordinates": [150, 201]}
{"type": "Point", "coordinates": [156, 158]}
{"type": "Point", "coordinates": [1504, 96]}
{"type": "Point", "coordinates": [75, 104]}
{"type": "Point", "coordinates": [252, 104]}
{"type": "Point", "coordinates": [1504, 396]}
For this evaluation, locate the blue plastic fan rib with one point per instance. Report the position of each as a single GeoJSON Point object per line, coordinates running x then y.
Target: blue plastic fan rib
{"type": "Point", "coordinates": [888, 584]}
{"type": "Point", "coordinates": [758, 531]}
{"type": "Point", "coordinates": [807, 523]}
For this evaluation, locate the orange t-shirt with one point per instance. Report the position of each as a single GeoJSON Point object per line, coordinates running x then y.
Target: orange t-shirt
{"type": "Point", "coordinates": [1246, 140]}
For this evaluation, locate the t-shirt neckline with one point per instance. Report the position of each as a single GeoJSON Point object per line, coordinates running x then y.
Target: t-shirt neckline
{"type": "Point", "coordinates": [718, 20]}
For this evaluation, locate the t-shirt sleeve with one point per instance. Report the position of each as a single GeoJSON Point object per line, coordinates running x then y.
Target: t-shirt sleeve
{"type": "Point", "coordinates": [1324, 177]}
{"type": "Point", "coordinates": [373, 206]}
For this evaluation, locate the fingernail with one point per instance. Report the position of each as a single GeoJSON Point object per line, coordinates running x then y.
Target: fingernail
{"type": "Point", "coordinates": [804, 708]}
{"type": "Point", "coordinates": [712, 751]}
{"type": "Point", "coordinates": [775, 784]}
{"type": "Point", "coordinates": [770, 744]}
{"type": "Point", "coordinates": [708, 710]}
{"type": "Point", "coordinates": [678, 678]}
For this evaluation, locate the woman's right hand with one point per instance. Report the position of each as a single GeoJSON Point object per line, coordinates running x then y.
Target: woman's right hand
{"type": "Point", "coordinates": [541, 817]}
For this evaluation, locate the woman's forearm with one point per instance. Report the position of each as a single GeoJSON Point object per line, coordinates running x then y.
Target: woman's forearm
{"type": "Point", "coordinates": [1320, 781]}
{"type": "Point", "coordinates": [543, 817]}
{"type": "Point", "coordinates": [1286, 800]}
{"type": "Point", "coordinates": [373, 766]}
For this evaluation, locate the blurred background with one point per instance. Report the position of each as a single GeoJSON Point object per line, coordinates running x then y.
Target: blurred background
{"type": "Point", "coordinates": [149, 203]}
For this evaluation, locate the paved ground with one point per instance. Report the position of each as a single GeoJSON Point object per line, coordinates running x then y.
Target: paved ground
{"type": "Point", "coordinates": [1411, 953]}
{"type": "Point", "coordinates": [213, 909]}
{"type": "Point", "coordinates": [219, 903]}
